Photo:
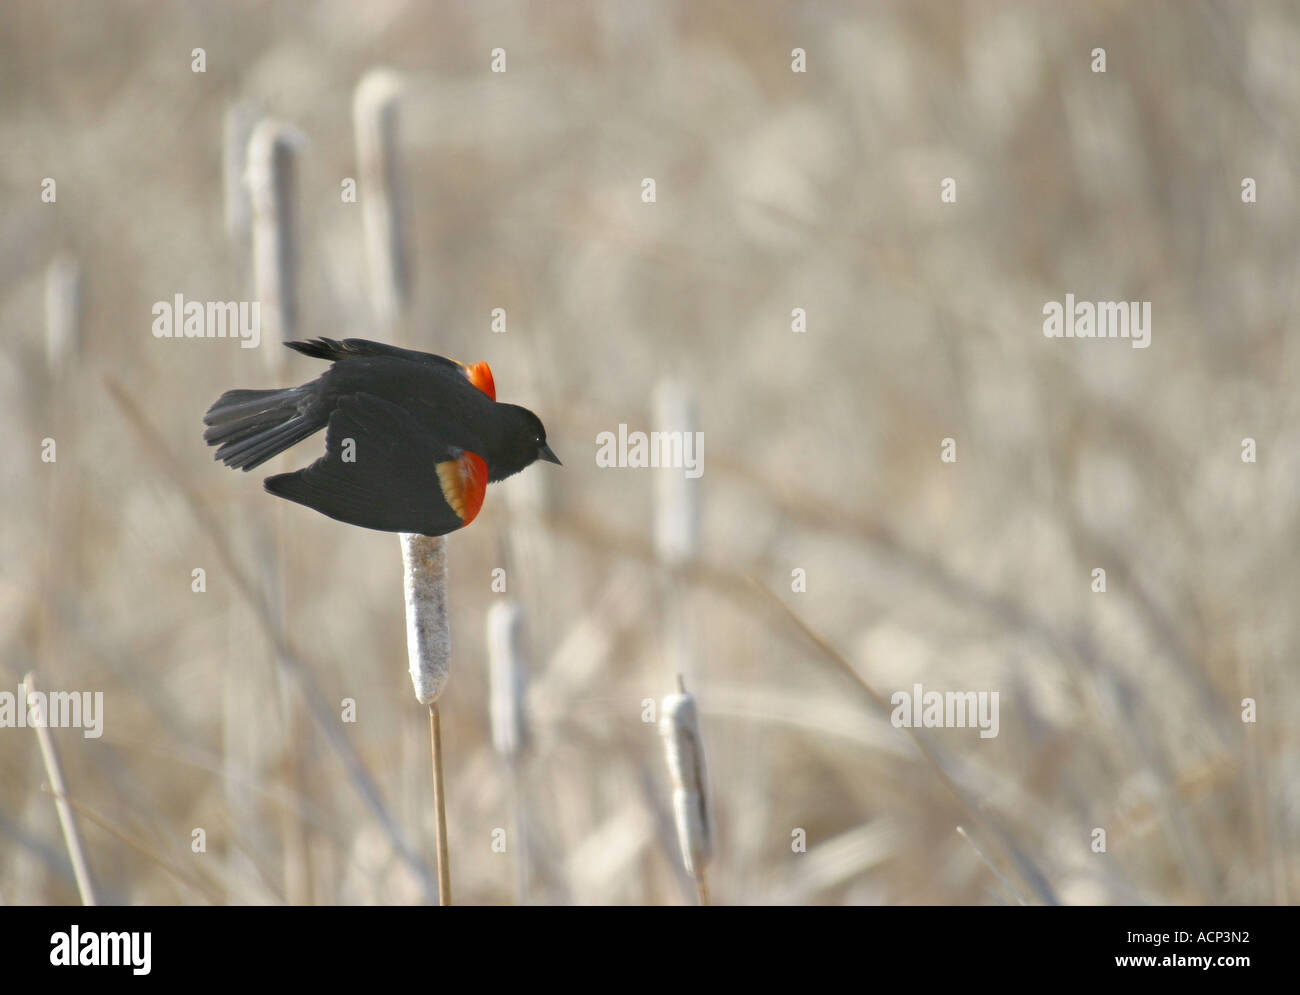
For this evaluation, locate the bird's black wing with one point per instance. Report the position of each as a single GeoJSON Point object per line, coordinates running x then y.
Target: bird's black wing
{"type": "Point", "coordinates": [479, 375]}
{"type": "Point", "coordinates": [334, 351]}
{"type": "Point", "coordinates": [384, 469]}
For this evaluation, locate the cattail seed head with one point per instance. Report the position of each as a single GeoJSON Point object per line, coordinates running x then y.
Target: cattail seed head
{"type": "Point", "coordinates": [684, 751]}
{"type": "Point", "coordinates": [271, 181]}
{"type": "Point", "coordinates": [236, 131]}
{"type": "Point", "coordinates": [63, 310]}
{"type": "Point", "coordinates": [375, 106]}
{"type": "Point", "coordinates": [428, 632]}
{"type": "Point", "coordinates": [506, 674]}
{"type": "Point", "coordinates": [677, 497]}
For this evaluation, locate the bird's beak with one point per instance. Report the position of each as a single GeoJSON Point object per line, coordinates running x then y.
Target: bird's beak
{"type": "Point", "coordinates": [545, 453]}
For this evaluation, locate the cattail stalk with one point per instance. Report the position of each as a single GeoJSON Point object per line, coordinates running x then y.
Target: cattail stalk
{"type": "Point", "coordinates": [428, 647]}
{"type": "Point", "coordinates": [424, 558]}
{"type": "Point", "coordinates": [54, 771]}
{"type": "Point", "coordinates": [439, 806]}
{"type": "Point", "coordinates": [684, 750]}
{"type": "Point", "coordinates": [236, 132]}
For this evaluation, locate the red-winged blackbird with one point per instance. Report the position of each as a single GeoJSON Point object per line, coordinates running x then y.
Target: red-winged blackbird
{"type": "Point", "coordinates": [412, 440]}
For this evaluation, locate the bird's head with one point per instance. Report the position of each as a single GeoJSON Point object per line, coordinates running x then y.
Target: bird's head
{"type": "Point", "coordinates": [524, 442]}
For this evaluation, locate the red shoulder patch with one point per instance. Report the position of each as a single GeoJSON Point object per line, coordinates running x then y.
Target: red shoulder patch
{"type": "Point", "coordinates": [464, 482]}
{"type": "Point", "coordinates": [480, 375]}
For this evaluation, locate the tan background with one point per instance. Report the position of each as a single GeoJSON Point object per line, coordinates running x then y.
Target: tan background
{"type": "Point", "coordinates": [775, 190]}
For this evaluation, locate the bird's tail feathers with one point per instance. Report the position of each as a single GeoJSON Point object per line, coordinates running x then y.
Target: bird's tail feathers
{"type": "Point", "coordinates": [249, 427]}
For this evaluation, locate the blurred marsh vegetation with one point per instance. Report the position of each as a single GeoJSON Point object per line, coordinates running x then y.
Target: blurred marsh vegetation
{"type": "Point", "coordinates": [775, 190]}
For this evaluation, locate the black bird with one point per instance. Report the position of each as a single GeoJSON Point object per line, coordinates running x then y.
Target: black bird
{"type": "Point", "coordinates": [412, 439]}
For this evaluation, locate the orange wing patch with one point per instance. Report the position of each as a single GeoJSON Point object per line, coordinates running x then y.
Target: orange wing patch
{"type": "Point", "coordinates": [464, 482]}
{"type": "Point", "coordinates": [480, 375]}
